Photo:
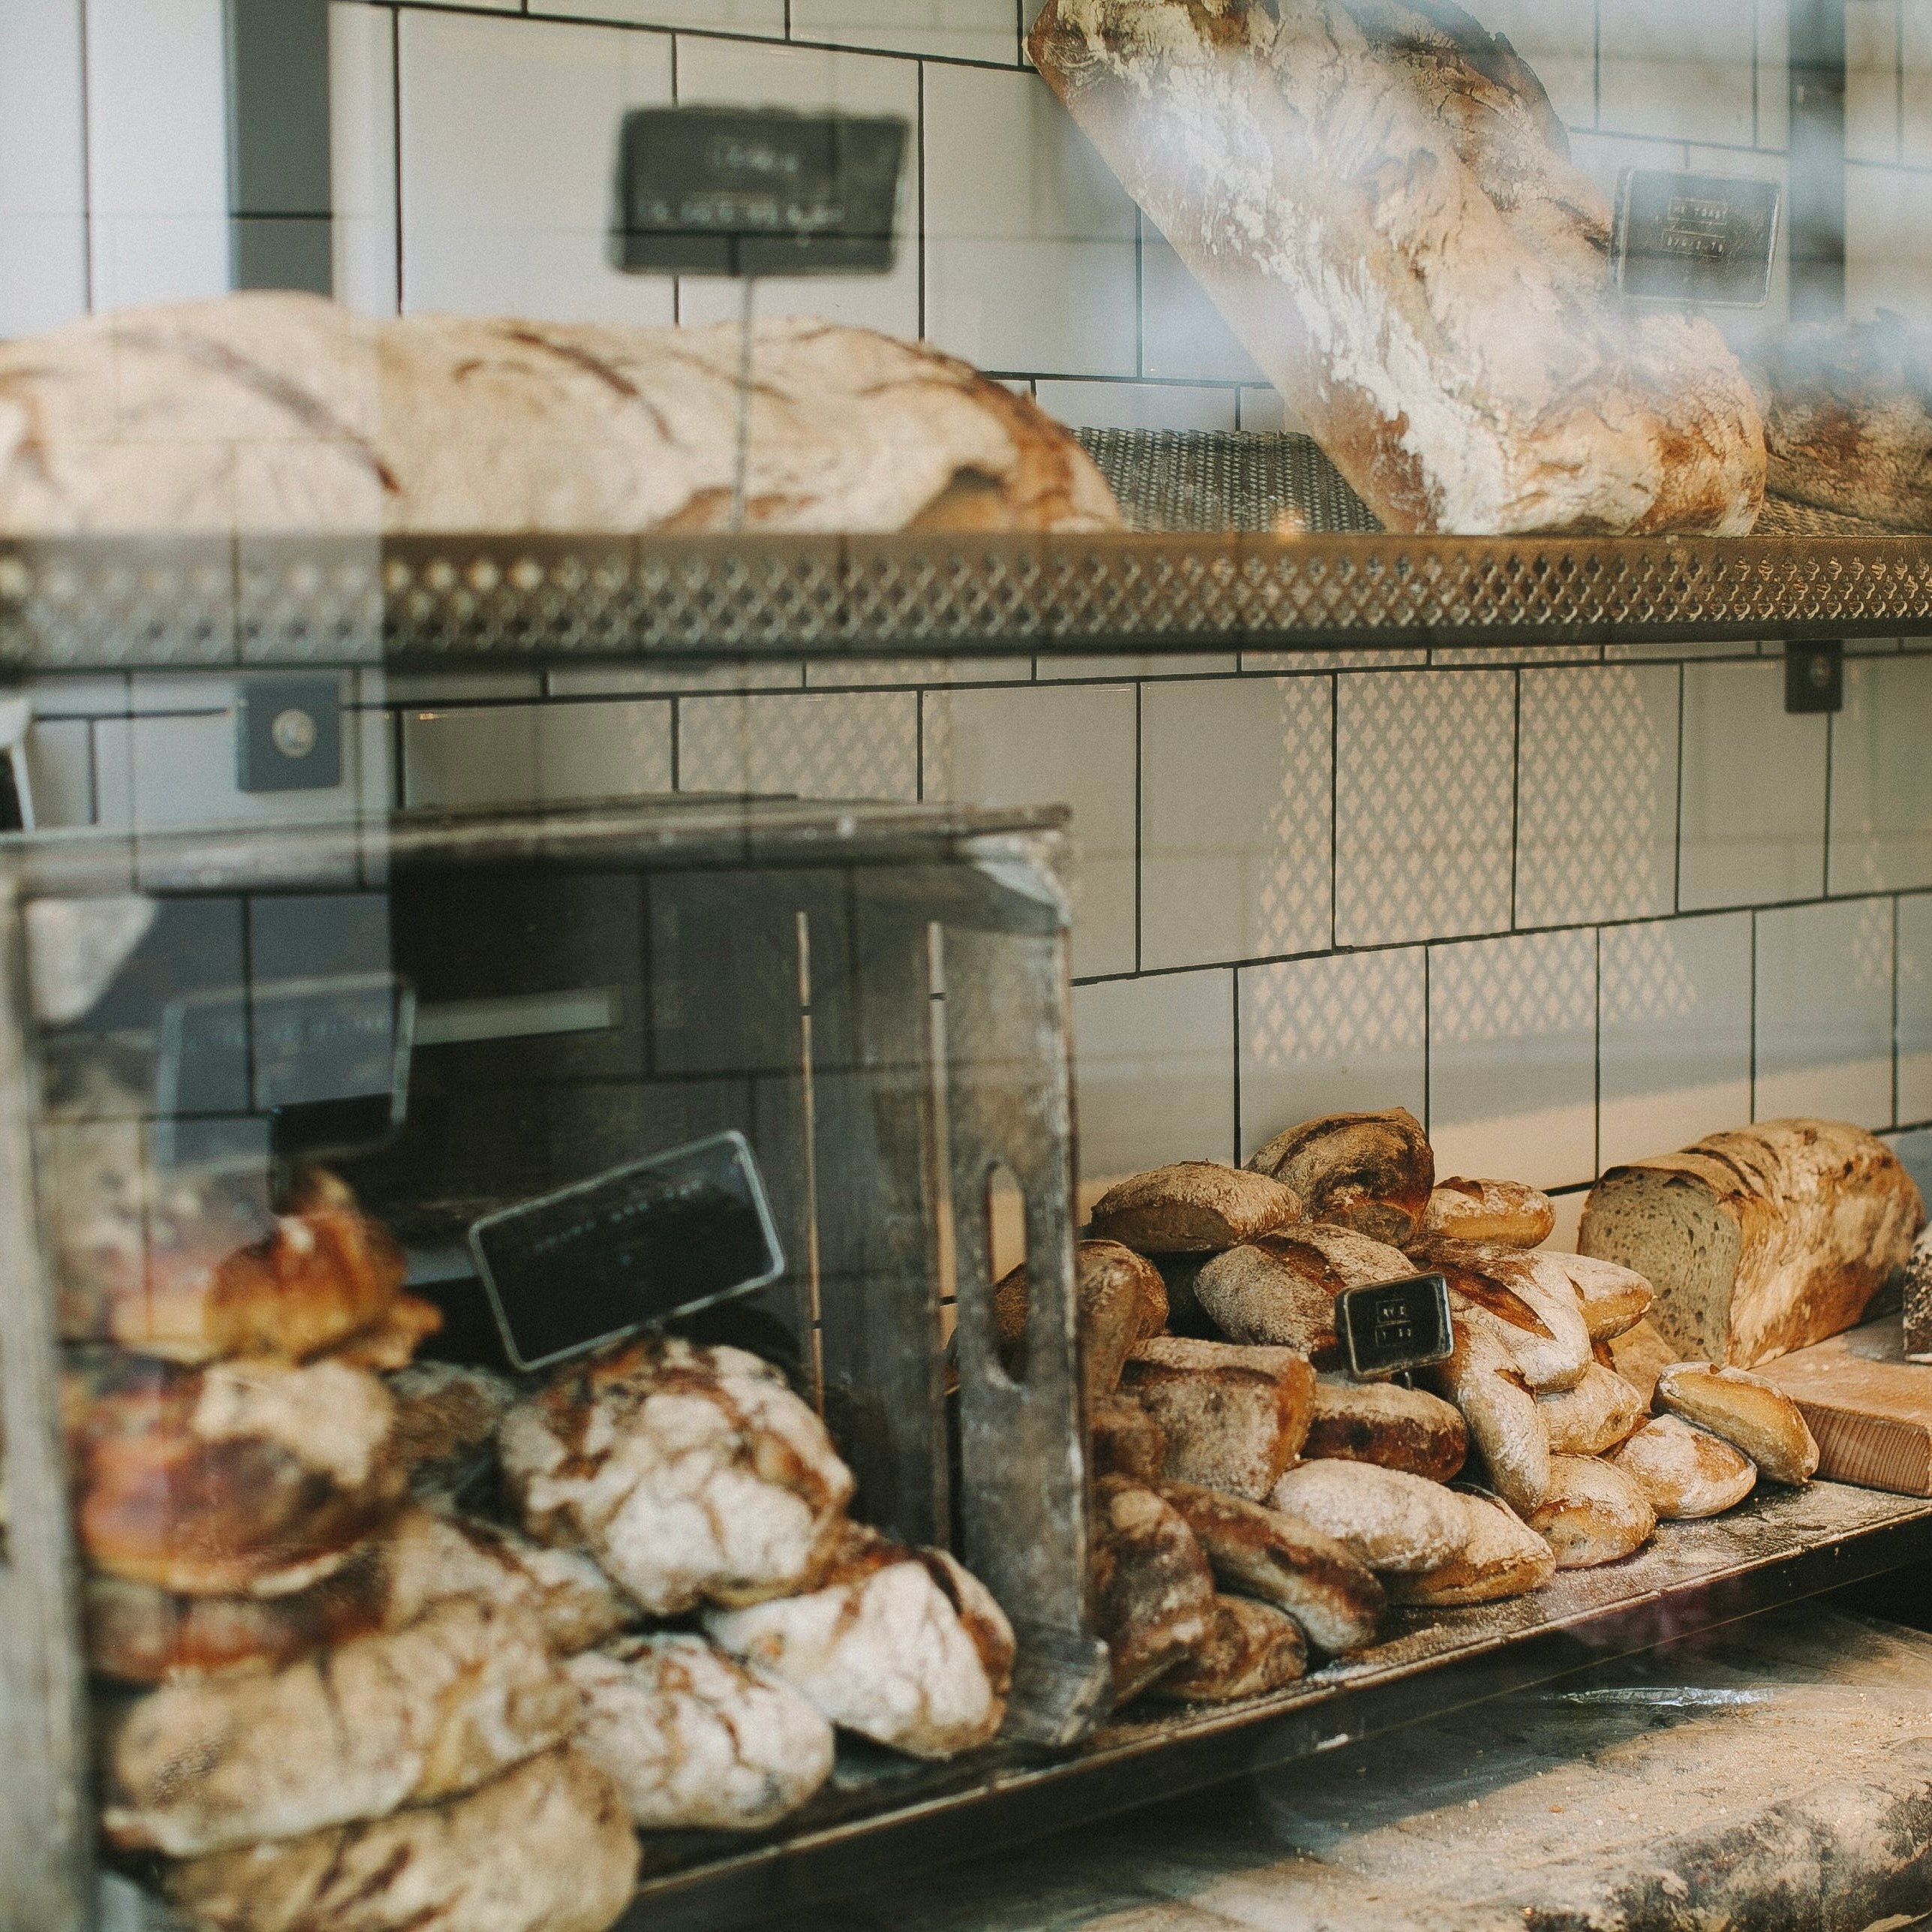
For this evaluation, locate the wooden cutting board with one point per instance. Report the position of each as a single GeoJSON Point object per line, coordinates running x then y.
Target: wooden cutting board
{"type": "Point", "coordinates": [1870, 1408]}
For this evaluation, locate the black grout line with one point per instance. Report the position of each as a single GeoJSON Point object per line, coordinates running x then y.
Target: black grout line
{"type": "Point", "coordinates": [1677, 840]}
{"type": "Point", "coordinates": [1429, 1039]}
{"type": "Point", "coordinates": [1515, 789]}
{"type": "Point", "coordinates": [1596, 1097]}
{"type": "Point", "coordinates": [1234, 983]}
{"type": "Point", "coordinates": [1895, 1010]}
{"type": "Point", "coordinates": [86, 171]}
{"type": "Point", "coordinates": [1140, 301]}
{"type": "Point", "coordinates": [1596, 66]}
{"type": "Point", "coordinates": [677, 744]}
{"type": "Point", "coordinates": [1754, 1017]}
{"type": "Point", "coordinates": [396, 135]}
{"type": "Point", "coordinates": [1334, 809]}
{"type": "Point", "coordinates": [918, 112]}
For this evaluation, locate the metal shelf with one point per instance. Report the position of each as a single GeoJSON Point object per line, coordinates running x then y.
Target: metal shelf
{"type": "Point", "coordinates": [882, 1817]}
{"type": "Point", "coordinates": [103, 604]}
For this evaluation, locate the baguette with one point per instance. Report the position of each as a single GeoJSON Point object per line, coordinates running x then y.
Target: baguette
{"type": "Point", "coordinates": [1384, 1518]}
{"type": "Point", "coordinates": [1510, 1213]}
{"type": "Point", "coordinates": [1747, 1411]}
{"type": "Point", "coordinates": [1685, 1471]}
{"type": "Point", "coordinates": [1233, 1418]}
{"type": "Point", "coordinates": [1594, 1513]}
{"type": "Point", "coordinates": [1195, 1207]}
{"type": "Point", "coordinates": [1481, 1378]}
{"type": "Point", "coordinates": [1372, 1172]}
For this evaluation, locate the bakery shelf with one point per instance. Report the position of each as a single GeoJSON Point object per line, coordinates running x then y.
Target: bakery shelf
{"type": "Point", "coordinates": [881, 1818]}
{"type": "Point", "coordinates": [101, 604]}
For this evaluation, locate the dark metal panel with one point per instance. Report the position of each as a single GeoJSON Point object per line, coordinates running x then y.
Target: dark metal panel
{"type": "Point", "coordinates": [1815, 221]}
{"type": "Point", "coordinates": [278, 191]}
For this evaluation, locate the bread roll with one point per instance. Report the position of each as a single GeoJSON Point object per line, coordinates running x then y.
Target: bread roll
{"type": "Point", "coordinates": [1639, 1355]}
{"type": "Point", "coordinates": [1195, 1207]}
{"type": "Point", "coordinates": [1594, 1416]}
{"type": "Point", "coordinates": [693, 1475]}
{"type": "Point", "coordinates": [1511, 1213]}
{"type": "Point", "coordinates": [1594, 1513]}
{"type": "Point", "coordinates": [1528, 1296]}
{"type": "Point", "coordinates": [1747, 1411]}
{"type": "Point", "coordinates": [547, 1847]}
{"type": "Point", "coordinates": [1684, 1470]}
{"type": "Point", "coordinates": [905, 1646]}
{"type": "Point", "coordinates": [1372, 1172]}
{"type": "Point", "coordinates": [1285, 1561]}
{"type": "Point", "coordinates": [1503, 1558]}
{"type": "Point", "coordinates": [1760, 1241]}
{"type": "Point", "coordinates": [1385, 1518]}
{"type": "Point", "coordinates": [696, 1740]}
{"type": "Point", "coordinates": [1482, 1378]}
{"type": "Point", "coordinates": [403, 1718]}
{"type": "Point", "coordinates": [446, 1411]}
{"type": "Point", "coordinates": [1250, 1649]}
{"type": "Point", "coordinates": [1153, 1594]}
{"type": "Point", "coordinates": [283, 413]}
{"type": "Point", "coordinates": [1379, 198]}
{"type": "Point", "coordinates": [1233, 1418]}
{"type": "Point", "coordinates": [1614, 1298]}
{"type": "Point", "coordinates": [1126, 1441]}
{"type": "Point", "coordinates": [1384, 1423]}
{"type": "Point", "coordinates": [1280, 1289]}
{"type": "Point", "coordinates": [1120, 1299]}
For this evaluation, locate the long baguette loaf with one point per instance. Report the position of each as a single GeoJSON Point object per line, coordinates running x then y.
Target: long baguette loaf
{"type": "Point", "coordinates": [1761, 1240]}
{"type": "Point", "coordinates": [283, 413]}
{"type": "Point", "coordinates": [1380, 201]}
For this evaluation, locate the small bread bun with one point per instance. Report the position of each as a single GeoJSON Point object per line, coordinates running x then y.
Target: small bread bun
{"type": "Point", "coordinates": [1126, 1440]}
{"type": "Point", "coordinates": [1595, 1415]}
{"type": "Point", "coordinates": [1384, 1423]}
{"type": "Point", "coordinates": [1639, 1355]}
{"type": "Point", "coordinates": [1614, 1298]}
{"type": "Point", "coordinates": [1594, 1513]}
{"type": "Point", "coordinates": [1250, 1649]}
{"type": "Point", "coordinates": [1281, 1289]}
{"type": "Point", "coordinates": [1195, 1207]}
{"type": "Point", "coordinates": [1747, 1411]}
{"type": "Point", "coordinates": [1121, 1300]}
{"type": "Point", "coordinates": [1504, 1557]}
{"type": "Point", "coordinates": [1285, 1561]}
{"type": "Point", "coordinates": [1386, 1519]}
{"type": "Point", "coordinates": [1529, 1297]}
{"type": "Point", "coordinates": [1510, 1212]}
{"type": "Point", "coordinates": [1234, 1417]}
{"type": "Point", "coordinates": [1370, 1172]}
{"type": "Point", "coordinates": [1686, 1471]}
{"type": "Point", "coordinates": [1481, 1378]}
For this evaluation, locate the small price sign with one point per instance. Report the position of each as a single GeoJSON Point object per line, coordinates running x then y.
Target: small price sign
{"type": "Point", "coordinates": [1395, 1325]}
{"type": "Point", "coordinates": [1707, 239]}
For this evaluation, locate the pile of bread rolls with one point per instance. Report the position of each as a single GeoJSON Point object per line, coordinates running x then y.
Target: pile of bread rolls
{"type": "Point", "coordinates": [1257, 1502]}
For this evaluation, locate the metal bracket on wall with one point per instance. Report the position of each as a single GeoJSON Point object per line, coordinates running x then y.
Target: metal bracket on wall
{"type": "Point", "coordinates": [288, 735]}
{"type": "Point", "coordinates": [279, 208]}
{"type": "Point", "coordinates": [1814, 677]}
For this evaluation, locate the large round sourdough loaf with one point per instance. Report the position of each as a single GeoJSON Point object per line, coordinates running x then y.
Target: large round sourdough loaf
{"type": "Point", "coordinates": [1378, 199]}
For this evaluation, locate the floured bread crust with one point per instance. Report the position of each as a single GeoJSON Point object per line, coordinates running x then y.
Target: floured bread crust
{"type": "Point", "coordinates": [1510, 1212]}
{"type": "Point", "coordinates": [697, 1740]}
{"type": "Point", "coordinates": [1250, 1649]}
{"type": "Point", "coordinates": [1595, 1513]}
{"type": "Point", "coordinates": [1379, 201]}
{"type": "Point", "coordinates": [1749, 1413]}
{"type": "Point", "coordinates": [1686, 1471]}
{"type": "Point", "coordinates": [1279, 1289]}
{"type": "Point", "coordinates": [1483, 1378]}
{"type": "Point", "coordinates": [1382, 1422]}
{"type": "Point", "coordinates": [693, 1475]}
{"type": "Point", "coordinates": [1153, 1592]}
{"type": "Point", "coordinates": [1386, 1519]}
{"type": "Point", "coordinates": [285, 414]}
{"type": "Point", "coordinates": [1526, 1295]}
{"type": "Point", "coordinates": [547, 1847]}
{"type": "Point", "coordinates": [1232, 1418]}
{"type": "Point", "coordinates": [1503, 1558]}
{"type": "Point", "coordinates": [1194, 1206]}
{"type": "Point", "coordinates": [1372, 1172]}
{"type": "Point", "coordinates": [357, 1731]}
{"type": "Point", "coordinates": [1614, 1298]}
{"type": "Point", "coordinates": [1595, 1415]}
{"type": "Point", "coordinates": [1121, 1300]}
{"type": "Point", "coordinates": [904, 1646]}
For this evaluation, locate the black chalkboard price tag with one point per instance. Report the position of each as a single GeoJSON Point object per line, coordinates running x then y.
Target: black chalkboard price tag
{"type": "Point", "coordinates": [1395, 1325]}
{"type": "Point", "coordinates": [635, 1247]}
{"type": "Point", "coordinates": [757, 191]}
{"type": "Point", "coordinates": [1707, 239]}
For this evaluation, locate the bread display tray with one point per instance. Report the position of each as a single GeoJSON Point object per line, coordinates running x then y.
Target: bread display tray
{"type": "Point", "coordinates": [882, 1816]}
{"type": "Point", "coordinates": [95, 604]}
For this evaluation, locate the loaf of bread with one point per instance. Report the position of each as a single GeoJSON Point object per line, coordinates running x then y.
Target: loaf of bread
{"type": "Point", "coordinates": [1848, 417]}
{"type": "Point", "coordinates": [1526, 1297]}
{"type": "Point", "coordinates": [1372, 1172]}
{"type": "Point", "coordinates": [1280, 1289]}
{"type": "Point", "coordinates": [1384, 1423]}
{"type": "Point", "coordinates": [1503, 1558]}
{"type": "Point", "coordinates": [1126, 1441]}
{"type": "Point", "coordinates": [284, 413]}
{"type": "Point", "coordinates": [1483, 1379]}
{"type": "Point", "coordinates": [1379, 198]}
{"type": "Point", "coordinates": [1233, 1418]}
{"type": "Point", "coordinates": [1639, 1355]}
{"type": "Point", "coordinates": [1595, 1415]}
{"type": "Point", "coordinates": [1250, 1649]}
{"type": "Point", "coordinates": [1685, 1471]}
{"type": "Point", "coordinates": [1614, 1298]}
{"type": "Point", "coordinates": [1748, 1412]}
{"type": "Point", "coordinates": [1761, 1240]}
{"type": "Point", "coordinates": [1594, 1513]}
{"type": "Point", "coordinates": [1510, 1212]}
{"type": "Point", "coordinates": [1120, 1299]}
{"type": "Point", "coordinates": [1153, 1593]}
{"type": "Point", "coordinates": [1384, 1518]}
{"type": "Point", "coordinates": [1194, 1206]}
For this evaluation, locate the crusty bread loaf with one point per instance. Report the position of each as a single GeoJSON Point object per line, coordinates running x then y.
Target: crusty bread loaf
{"type": "Point", "coordinates": [1385, 1423]}
{"type": "Point", "coordinates": [1748, 1412]}
{"type": "Point", "coordinates": [1126, 1441]}
{"type": "Point", "coordinates": [1250, 1649]}
{"type": "Point", "coordinates": [1233, 1418]}
{"type": "Point", "coordinates": [1194, 1206]}
{"type": "Point", "coordinates": [1378, 197]}
{"type": "Point", "coordinates": [1594, 1513]}
{"type": "Point", "coordinates": [1848, 417]}
{"type": "Point", "coordinates": [1614, 1298]}
{"type": "Point", "coordinates": [1153, 1594]}
{"type": "Point", "coordinates": [285, 414]}
{"type": "Point", "coordinates": [1510, 1212]}
{"type": "Point", "coordinates": [547, 1847]}
{"type": "Point", "coordinates": [1639, 1355]}
{"type": "Point", "coordinates": [1483, 1379]}
{"type": "Point", "coordinates": [1279, 1289]}
{"type": "Point", "coordinates": [1121, 1300]}
{"type": "Point", "coordinates": [1285, 1561]}
{"type": "Point", "coordinates": [1387, 1519]}
{"type": "Point", "coordinates": [1595, 1415]}
{"type": "Point", "coordinates": [1527, 1296]}
{"type": "Point", "coordinates": [1684, 1470]}
{"type": "Point", "coordinates": [1761, 1240]}
{"type": "Point", "coordinates": [1369, 1172]}
{"type": "Point", "coordinates": [1503, 1558]}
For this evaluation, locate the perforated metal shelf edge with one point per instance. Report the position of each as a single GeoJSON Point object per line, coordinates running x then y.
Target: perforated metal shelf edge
{"type": "Point", "coordinates": [113, 604]}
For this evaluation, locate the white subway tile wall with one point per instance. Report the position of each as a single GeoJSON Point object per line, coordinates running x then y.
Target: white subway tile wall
{"type": "Point", "coordinates": [1567, 908]}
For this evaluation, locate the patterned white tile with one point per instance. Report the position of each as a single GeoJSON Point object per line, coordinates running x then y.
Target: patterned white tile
{"type": "Point", "coordinates": [1604, 157]}
{"type": "Point", "coordinates": [1888, 214]}
{"type": "Point", "coordinates": [1881, 778]}
{"type": "Point", "coordinates": [60, 772]}
{"type": "Point", "coordinates": [1235, 802]}
{"type": "Point", "coordinates": [1182, 334]}
{"type": "Point", "coordinates": [509, 150]}
{"type": "Point", "coordinates": [1136, 405]}
{"type": "Point", "coordinates": [43, 167]}
{"type": "Point", "coordinates": [361, 155]}
{"type": "Point", "coordinates": [511, 753]}
{"type": "Point", "coordinates": [1825, 1012]}
{"type": "Point", "coordinates": [1684, 73]}
{"type": "Point", "coordinates": [982, 30]}
{"type": "Point", "coordinates": [1597, 796]}
{"type": "Point", "coordinates": [1338, 1034]}
{"type": "Point", "coordinates": [1153, 1065]}
{"type": "Point", "coordinates": [1674, 1034]}
{"type": "Point", "coordinates": [1914, 1007]}
{"type": "Point", "coordinates": [737, 16]}
{"type": "Point", "coordinates": [1423, 799]}
{"type": "Point", "coordinates": [1512, 1058]}
{"type": "Point", "coordinates": [1753, 796]}
{"type": "Point", "coordinates": [1071, 744]}
{"type": "Point", "coordinates": [838, 745]}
